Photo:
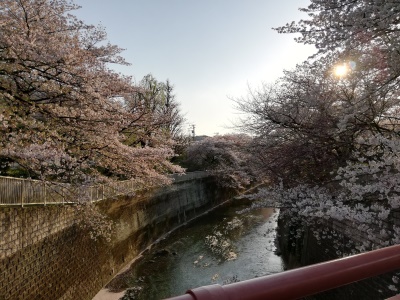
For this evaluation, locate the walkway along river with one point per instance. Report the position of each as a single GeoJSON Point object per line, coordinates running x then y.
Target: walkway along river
{"type": "Point", "coordinates": [223, 246]}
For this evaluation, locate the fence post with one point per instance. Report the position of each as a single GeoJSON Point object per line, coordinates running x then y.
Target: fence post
{"type": "Point", "coordinates": [45, 192]}
{"type": "Point", "coordinates": [22, 193]}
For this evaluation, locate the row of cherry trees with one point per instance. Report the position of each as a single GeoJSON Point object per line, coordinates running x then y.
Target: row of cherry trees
{"type": "Point", "coordinates": [229, 157]}
{"type": "Point", "coordinates": [329, 141]}
{"type": "Point", "coordinates": [65, 114]}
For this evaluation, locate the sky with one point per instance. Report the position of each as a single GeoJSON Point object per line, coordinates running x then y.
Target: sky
{"type": "Point", "coordinates": [211, 51]}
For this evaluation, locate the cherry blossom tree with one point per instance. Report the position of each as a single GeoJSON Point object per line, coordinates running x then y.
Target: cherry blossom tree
{"type": "Point", "coordinates": [330, 140]}
{"type": "Point", "coordinates": [61, 114]}
{"type": "Point", "coordinates": [361, 34]}
{"type": "Point", "coordinates": [365, 36]}
{"type": "Point", "coordinates": [316, 120]}
{"type": "Point", "coordinates": [295, 126]}
{"type": "Point", "coordinates": [229, 157]}
{"type": "Point", "coordinates": [346, 25]}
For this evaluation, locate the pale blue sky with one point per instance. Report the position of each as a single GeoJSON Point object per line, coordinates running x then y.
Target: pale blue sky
{"type": "Point", "coordinates": [210, 50]}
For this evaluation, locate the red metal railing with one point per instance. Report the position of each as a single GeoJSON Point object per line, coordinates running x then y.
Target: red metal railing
{"type": "Point", "coordinates": [306, 281]}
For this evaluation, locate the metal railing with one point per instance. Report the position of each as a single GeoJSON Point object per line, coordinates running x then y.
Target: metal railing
{"type": "Point", "coordinates": [19, 191]}
{"type": "Point", "coordinates": [306, 281]}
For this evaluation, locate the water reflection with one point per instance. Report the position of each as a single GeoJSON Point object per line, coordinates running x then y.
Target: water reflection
{"type": "Point", "coordinates": [222, 247]}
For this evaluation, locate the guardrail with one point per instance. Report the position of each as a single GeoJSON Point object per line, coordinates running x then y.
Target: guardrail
{"type": "Point", "coordinates": [19, 191]}
{"type": "Point", "coordinates": [306, 281]}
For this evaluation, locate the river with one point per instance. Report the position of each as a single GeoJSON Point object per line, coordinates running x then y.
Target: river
{"type": "Point", "coordinates": [224, 246]}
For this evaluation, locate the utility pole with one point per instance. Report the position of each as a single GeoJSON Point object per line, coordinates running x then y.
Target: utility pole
{"type": "Point", "coordinates": [192, 130]}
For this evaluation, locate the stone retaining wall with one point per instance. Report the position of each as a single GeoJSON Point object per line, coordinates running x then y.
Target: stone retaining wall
{"type": "Point", "coordinates": [46, 254]}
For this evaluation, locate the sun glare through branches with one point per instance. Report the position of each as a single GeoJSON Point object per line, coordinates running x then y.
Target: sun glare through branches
{"type": "Point", "coordinates": [341, 70]}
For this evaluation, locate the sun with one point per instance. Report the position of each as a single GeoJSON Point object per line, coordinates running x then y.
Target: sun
{"type": "Point", "coordinates": [341, 70]}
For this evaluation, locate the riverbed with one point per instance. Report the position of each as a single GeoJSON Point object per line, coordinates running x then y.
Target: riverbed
{"type": "Point", "coordinates": [227, 245]}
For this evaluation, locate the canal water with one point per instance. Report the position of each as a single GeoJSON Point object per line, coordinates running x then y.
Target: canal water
{"type": "Point", "coordinates": [224, 246]}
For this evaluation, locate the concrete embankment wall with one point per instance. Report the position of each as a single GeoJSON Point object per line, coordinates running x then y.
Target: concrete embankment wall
{"type": "Point", "coordinates": [336, 239]}
{"type": "Point", "coordinates": [47, 253]}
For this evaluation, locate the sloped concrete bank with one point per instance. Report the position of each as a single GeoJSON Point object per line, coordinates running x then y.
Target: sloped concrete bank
{"type": "Point", "coordinates": [46, 254]}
